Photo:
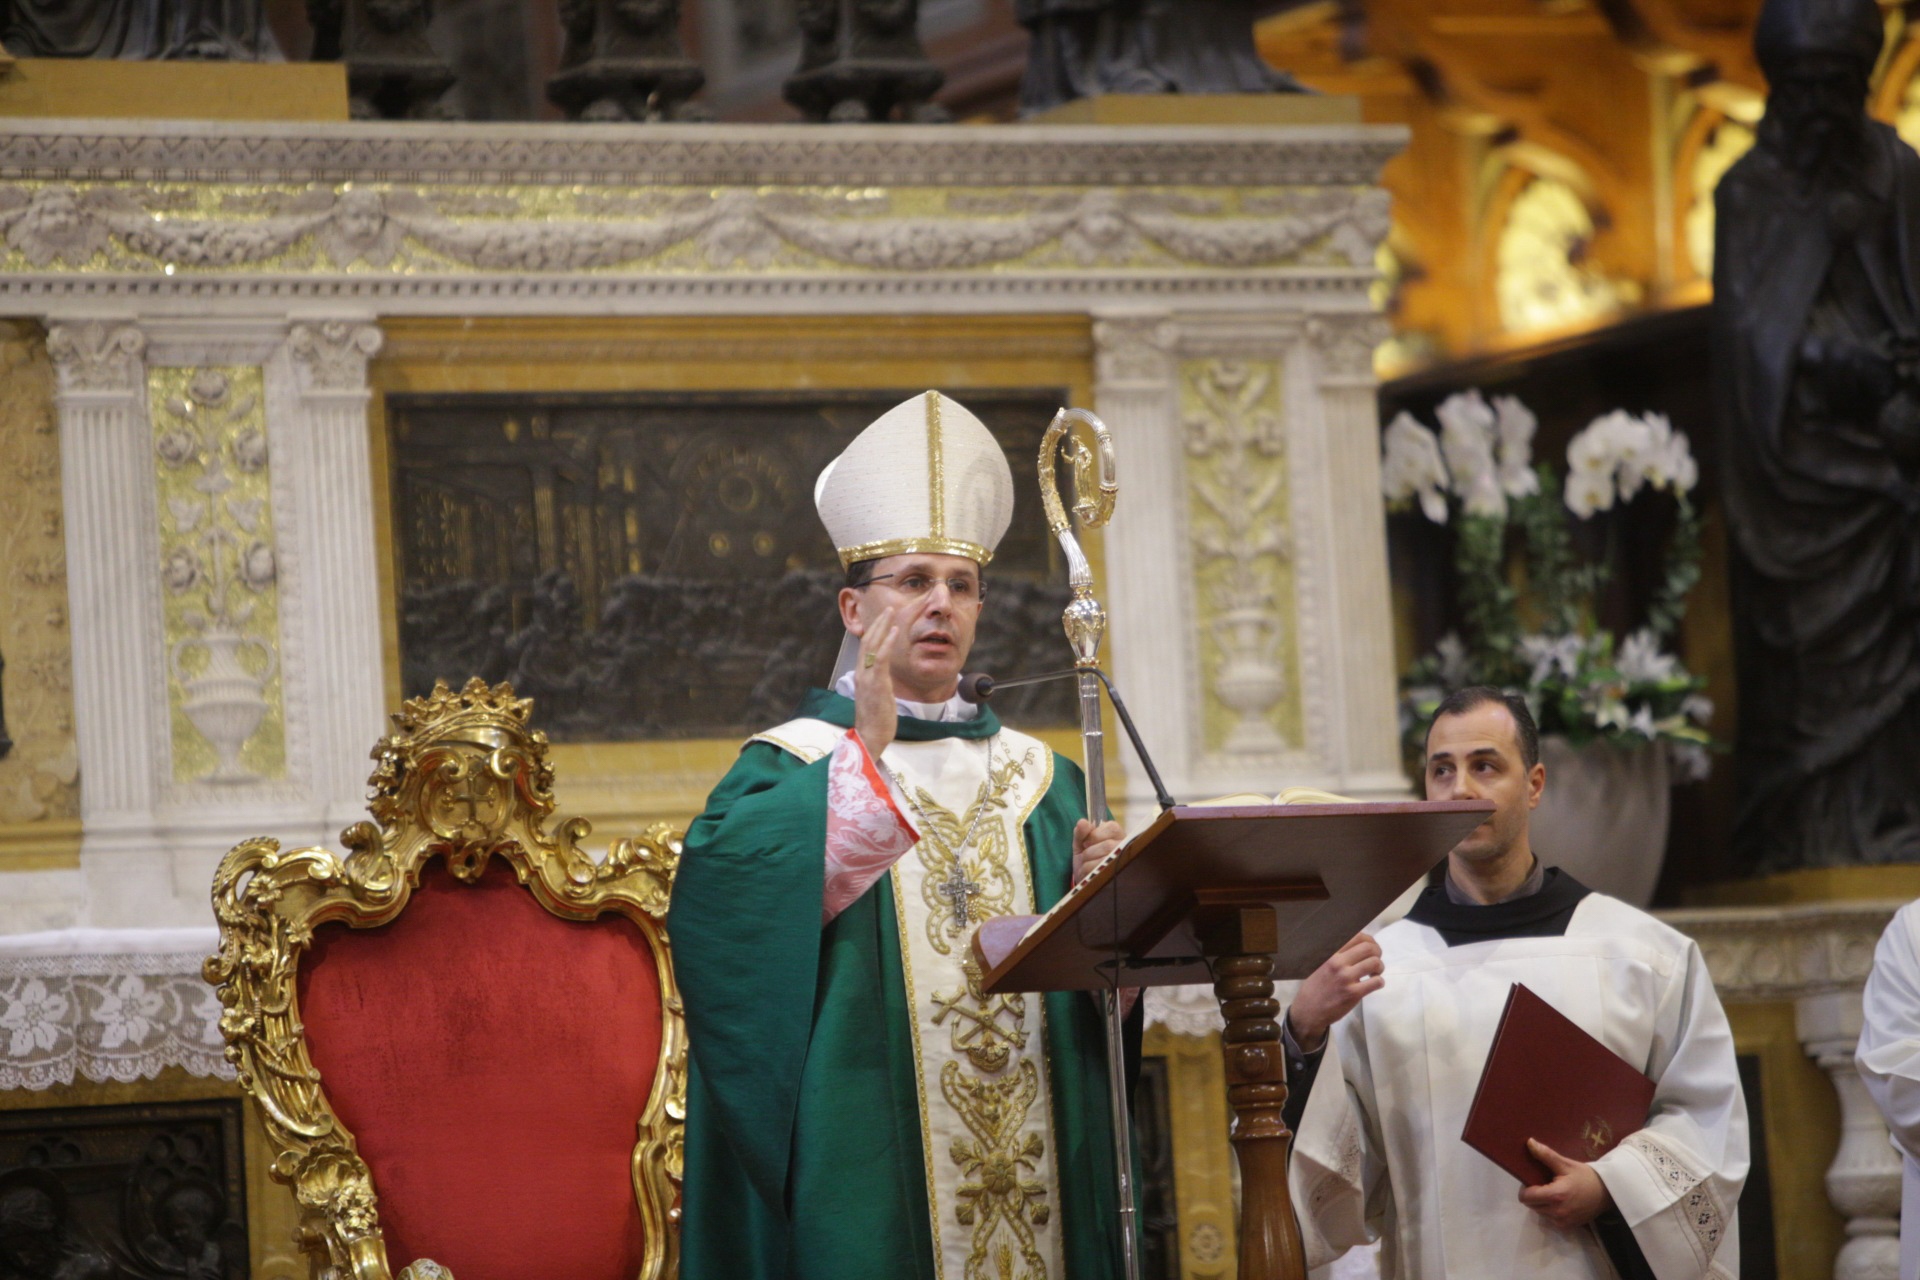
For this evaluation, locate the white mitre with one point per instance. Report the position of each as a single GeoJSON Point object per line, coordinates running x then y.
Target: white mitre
{"type": "Point", "coordinates": [927, 476]}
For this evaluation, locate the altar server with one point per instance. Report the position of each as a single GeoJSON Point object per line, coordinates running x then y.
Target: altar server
{"type": "Point", "coordinates": [1889, 1061]}
{"type": "Point", "coordinates": [1387, 1040]}
{"type": "Point", "coordinates": [858, 1107]}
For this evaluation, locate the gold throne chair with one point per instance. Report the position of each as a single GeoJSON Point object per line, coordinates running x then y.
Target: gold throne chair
{"type": "Point", "coordinates": [463, 1038]}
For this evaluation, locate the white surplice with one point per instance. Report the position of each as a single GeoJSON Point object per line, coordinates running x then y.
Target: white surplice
{"type": "Point", "coordinates": [1379, 1154]}
{"type": "Point", "coordinates": [1889, 1061]}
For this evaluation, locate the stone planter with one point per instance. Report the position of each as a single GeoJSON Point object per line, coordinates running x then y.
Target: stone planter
{"type": "Point", "coordinates": [1604, 814]}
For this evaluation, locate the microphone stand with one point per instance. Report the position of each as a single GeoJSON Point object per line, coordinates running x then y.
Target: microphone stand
{"type": "Point", "coordinates": [1086, 623]}
{"type": "Point", "coordinates": [980, 686]}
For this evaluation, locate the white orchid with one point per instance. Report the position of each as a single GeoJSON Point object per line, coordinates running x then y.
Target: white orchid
{"type": "Point", "coordinates": [1670, 463]}
{"type": "Point", "coordinates": [1551, 655]}
{"type": "Point", "coordinates": [1452, 655]}
{"type": "Point", "coordinates": [1690, 761]}
{"type": "Point", "coordinates": [1697, 707]}
{"type": "Point", "coordinates": [1588, 492]}
{"type": "Point", "coordinates": [1641, 722]}
{"type": "Point", "coordinates": [1411, 467]}
{"type": "Point", "coordinates": [1640, 660]}
{"type": "Point", "coordinates": [1467, 434]}
{"type": "Point", "coordinates": [1618, 454]}
{"type": "Point", "coordinates": [1514, 424]}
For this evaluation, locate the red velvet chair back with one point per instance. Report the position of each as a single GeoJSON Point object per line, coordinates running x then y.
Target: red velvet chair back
{"type": "Point", "coordinates": [456, 1033]}
{"type": "Point", "coordinates": [492, 1060]}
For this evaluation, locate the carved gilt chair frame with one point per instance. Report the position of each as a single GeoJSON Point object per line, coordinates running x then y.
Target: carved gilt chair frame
{"type": "Point", "coordinates": [462, 777]}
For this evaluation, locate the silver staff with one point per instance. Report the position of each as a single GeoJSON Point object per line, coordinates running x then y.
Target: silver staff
{"type": "Point", "coordinates": [1094, 491]}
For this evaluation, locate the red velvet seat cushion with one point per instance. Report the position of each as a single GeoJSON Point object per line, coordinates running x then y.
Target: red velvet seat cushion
{"type": "Point", "coordinates": [492, 1061]}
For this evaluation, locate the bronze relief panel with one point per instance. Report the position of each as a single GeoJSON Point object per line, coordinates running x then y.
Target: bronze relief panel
{"type": "Point", "coordinates": [648, 565]}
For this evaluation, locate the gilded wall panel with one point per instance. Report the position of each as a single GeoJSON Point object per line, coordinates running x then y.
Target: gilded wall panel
{"type": "Point", "coordinates": [1204, 1194]}
{"type": "Point", "coordinates": [39, 775]}
{"type": "Point", "coordinates": [1239, 516]}
{"type": "Point", "coordinates": [218, 568]}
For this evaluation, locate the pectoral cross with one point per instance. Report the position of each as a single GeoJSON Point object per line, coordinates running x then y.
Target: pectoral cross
{"type": "Point", "coordinates": [959, 891]}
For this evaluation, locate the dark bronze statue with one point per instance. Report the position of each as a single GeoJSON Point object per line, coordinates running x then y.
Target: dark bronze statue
{"type": "Point", "coordinates": [1084, 48]}
{"type": "Point", "coordinates": [623, 61]}
{"type": "Point", "coordinates": [206, 30]}
{"type": "Point", "coordinates": [861, 60]}
{"type": "Point", "coordinates": [392, 72]}
{"type": "Point", "coordinates": [1816, 330]}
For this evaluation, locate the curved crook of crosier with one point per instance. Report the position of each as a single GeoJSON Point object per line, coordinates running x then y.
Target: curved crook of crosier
{"type": "Point", "coordinates": [1094, 493]}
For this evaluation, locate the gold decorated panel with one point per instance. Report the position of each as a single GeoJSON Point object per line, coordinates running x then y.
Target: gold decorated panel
{"type": "Point", "coordinates": [220, 597]}
{"type": "Point", "coordinates": [620, 784]}
{"type": "Point", "coordinates": [39, 776]}
{"type": "Point", "coordinates": [1801, 1117]}
{"type": "Point", "coordinates": [1239, 511]}
{"type": "Point", "coordinates": [1202, 1159]}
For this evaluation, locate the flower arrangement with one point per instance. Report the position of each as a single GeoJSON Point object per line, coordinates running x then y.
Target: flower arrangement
{"type": "Point", "coordinates": [1541, 638]}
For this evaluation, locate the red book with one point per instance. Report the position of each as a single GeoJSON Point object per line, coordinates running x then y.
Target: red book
{"type": "Point", "coordinates": [1547, 1079]}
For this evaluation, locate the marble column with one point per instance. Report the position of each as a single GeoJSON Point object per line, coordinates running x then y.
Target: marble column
{"type": "Point", "coordinates": [113, 592]}
{"type": "Point", "coordinates": [333, 473]}
{"type": "Point", "coordinates": [1863, 1182]}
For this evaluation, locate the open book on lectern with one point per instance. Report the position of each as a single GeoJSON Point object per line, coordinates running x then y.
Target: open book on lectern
{"type": "Point", "coordinates": [1326, 866]}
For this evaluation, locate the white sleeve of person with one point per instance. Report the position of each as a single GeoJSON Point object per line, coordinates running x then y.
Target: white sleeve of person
{"type": "Point", "coordinates": [1677, 1181]}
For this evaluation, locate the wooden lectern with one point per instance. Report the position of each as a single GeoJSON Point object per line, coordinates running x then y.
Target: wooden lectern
{"type": "Point", "coordinates": [1235, 896]}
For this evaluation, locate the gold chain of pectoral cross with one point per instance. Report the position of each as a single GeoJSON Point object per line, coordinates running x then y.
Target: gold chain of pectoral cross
{"type": "Point", "coordinates": [945, 858]}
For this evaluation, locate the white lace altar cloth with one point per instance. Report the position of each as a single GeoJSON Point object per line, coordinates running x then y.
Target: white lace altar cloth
{"type": "Point", "coordinates": [107, 1004]}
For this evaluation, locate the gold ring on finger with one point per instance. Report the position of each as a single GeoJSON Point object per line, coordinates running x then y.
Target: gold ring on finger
{"type": "Point", "coordinates": [868, 661]}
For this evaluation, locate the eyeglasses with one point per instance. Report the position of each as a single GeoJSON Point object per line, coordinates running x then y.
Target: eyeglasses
{"type": "Point", "coordinates": [915, 586]}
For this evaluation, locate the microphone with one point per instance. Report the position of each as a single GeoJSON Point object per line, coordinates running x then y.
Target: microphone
{"type": "Point", "coordinates": [977, 686]}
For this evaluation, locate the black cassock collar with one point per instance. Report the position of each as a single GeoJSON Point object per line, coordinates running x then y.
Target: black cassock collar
{"type": "Point", "coordinates": [1540, 915]}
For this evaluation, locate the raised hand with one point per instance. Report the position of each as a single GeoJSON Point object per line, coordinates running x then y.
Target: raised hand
{"type": "Point", "coordinates": [875, 716]}
{"type": "Point", "coordinates": [1331, 991]}
{"type": "Point", "coordinates": [1575, 1197]}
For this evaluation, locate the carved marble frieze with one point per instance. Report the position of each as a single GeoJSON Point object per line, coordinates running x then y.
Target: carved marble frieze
{"type": "Point", "coordinates": [1774, 953]}
{"type": "Point", "coordinates": [39, 775]}
{"type": "Point", "coordinates": [223, 213]}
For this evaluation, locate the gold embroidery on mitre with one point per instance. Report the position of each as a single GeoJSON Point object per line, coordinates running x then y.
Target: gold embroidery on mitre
{"type": "Point", "coordinates": [850, 556]}
{"type": "Point", "coordinates": [1001, 1199]}
{"type": "Point", "coordinates": [936, 469]}
{"type": "Point", "coordinates": [967, 879]}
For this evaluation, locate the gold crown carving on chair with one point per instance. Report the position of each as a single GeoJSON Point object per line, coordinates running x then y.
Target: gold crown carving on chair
{"type": "Point", "coordinates": [463, 778]}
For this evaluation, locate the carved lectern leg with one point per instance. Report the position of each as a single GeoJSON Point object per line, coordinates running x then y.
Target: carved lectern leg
{"type": "Point", "coordinates": [1256, 1089]}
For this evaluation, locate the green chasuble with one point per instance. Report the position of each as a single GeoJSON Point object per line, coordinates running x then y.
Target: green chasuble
{"type": "Point", "coordinates": [804, 1152]}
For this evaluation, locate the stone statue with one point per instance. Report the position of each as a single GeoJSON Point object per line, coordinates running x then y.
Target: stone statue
{"type": "Point", "coordinates": [1084, 48]}
{"type": "Point", "coordinates": [623, 61]}
{"type": "Point", "coordinates": [392, 72]}
{"type": "Point", "coordinates": [1816, 332]}
{"type": "Point", "coordinates": [862, 60]}
{"type": "Point", "coordinates": [149, 29]}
